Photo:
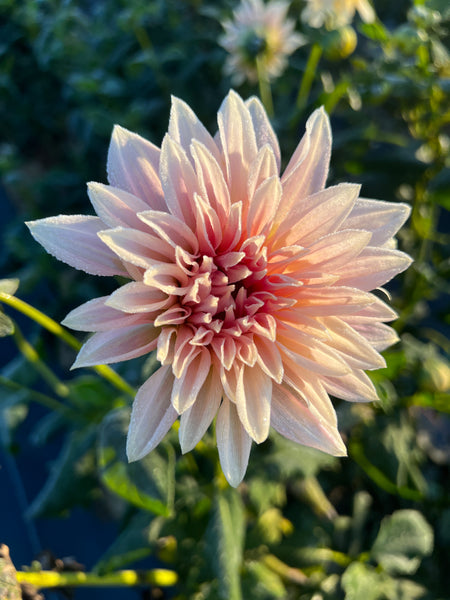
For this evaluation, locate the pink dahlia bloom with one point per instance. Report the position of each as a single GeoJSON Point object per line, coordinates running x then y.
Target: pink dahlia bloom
{"type": "Point", "coordinates": [253, 288]}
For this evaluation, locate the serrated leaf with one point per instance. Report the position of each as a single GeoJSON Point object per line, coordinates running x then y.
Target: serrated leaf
{"type": "Point", "coordinates": [72, 477]}
{"type": "Point", "coordinates": [134, 543]}
{"type": "Point", "coordinates": [403, 540]}
{"type": "Point", "coordinates": [6, 325]}
{"type": "Point", "coordinates": [145, 483]}
{"type": "Point", "coordinates": [225, 542]}
{"type": "Point", "coordinates": [9, 286]}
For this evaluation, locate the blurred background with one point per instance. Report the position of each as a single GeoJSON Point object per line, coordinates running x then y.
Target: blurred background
{"type": "Point", "coordinates": [69, 71]}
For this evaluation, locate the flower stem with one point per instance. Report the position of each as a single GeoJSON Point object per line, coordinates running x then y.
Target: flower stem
{"type": "Point", "coordinates": [55, 328]}
{"type": "Point", "coordinates": [310, 490]}
{"type": "Point", "coordinates": [308, 76]}
{"type": "Point", "coordinates": [264, 88]}
{"type": "Point", "coordinates": [283, 570]}
{"type": "Point", "coordinates": [128, 578]}
{"type": "Point", "coordinates": [43, 399]}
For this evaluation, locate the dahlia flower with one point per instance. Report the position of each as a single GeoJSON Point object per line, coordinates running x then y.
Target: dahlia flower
{"type": "Point", "coordinates": [259, 33]}
{"type": "Point", "coordinates": [336, 13]}
{"type": "Point", "coordinates": [253, 288]}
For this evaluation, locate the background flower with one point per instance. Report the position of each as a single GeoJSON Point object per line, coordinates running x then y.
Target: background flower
{"type": "Point", "coordinates": [254, 289]}
{"type": "Point", "coordinates": [259, 33]}
{"type": "Point", "coordinates": [336, 13]}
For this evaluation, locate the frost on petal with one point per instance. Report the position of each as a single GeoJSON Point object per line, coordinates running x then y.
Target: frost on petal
{"type": "Point", "coordinates": [233, 443]}
{"type": "Point", "coordinates": [373, 268]}
{"type": "Point", "coordinates": [304, 425]}
{"type": "Point", "coordinates": [253, 396]}
{"type": "Point", "coordinates": [137, 247]}
{"type": "Point", "coordinates": [116, 345]}
{"type": "Point", "coordinates": [263, 129]}
{"type": "Point", "coordinates": [307, 170]}
{"type": "Point", "coordinates": [237, 136]}
{"type": "Point", "coordinates": [184, 127]}
{"type": "Point", "coordinates": [152, 415]}
{"type": "Point", "coordinates": [95, 315]}
{"type": "Point", "coordinates": [115, 207]}
{"type": "Point", "coordinates": [316, 215]}
{"type": "Point", "coordinates": [195, 421]}
{"type": "Point", "coordinates": [186, 388]}
{"type": "Point", "coordinates": [74, 240]}
{"type": "Point", "coordinates": [382, 219]}
{"type": "Point", "coordinates": [133, 165]}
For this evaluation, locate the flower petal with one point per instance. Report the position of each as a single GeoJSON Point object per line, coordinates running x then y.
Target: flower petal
{"type": "Point", "coordinates": [237, 136]}
{"type": "Point", "coordinates": [383, 219]}
{"type": "Point", "coordinates": [195, 421]}
{"type": "Point", "coordinates": [263, 129]}
{"type": "Point", "coordinates": [152, 415]}
{"type": "Point", "coordinates": [116, 207]}
{"type": "Point", "coordinates": [136, 297]}
{"type": "Point", "coordinates": [74, 240]}
{"type": "Point", "coordinates": [233, 443]}
{"type": "Point", "coordinates": [373, 268]}
{"type": "Point", "coordinates": [116, 345]}
{"type": "Point", "coordinates": [186, 388]}
{"type": "Point", "coordinates": [133, 166]}
{"type": "Point", "coordinates": [137, 247]}
{"type": "Point", "coordinates": [95, 315]}
{"type": "Point", "coordinates": [253, 396]}
{"type": "Point", "coordinates": [307, 170]}
{"type": "Point", "coordinates": [303, 424]}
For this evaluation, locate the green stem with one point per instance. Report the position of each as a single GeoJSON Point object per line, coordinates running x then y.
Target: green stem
{"type": "Point", "coordinates": [29, 352]}
{"type": "Point", "coordinates": [55, 328]}
{"type": "Point", "coordinates": [310, 490]}
{"type": "Point", "coordinates": [51, 579]}
{"type": "Point", "coordinates": [283, 570]}
{"type": "Point", "coordinates": [308, 76]}
{"type": "Point", "coordinates": [43, 399]}
{"type": "Point", "coordinates": [321, 555]}
{"type": "Point", "coordinates": [264, 88]}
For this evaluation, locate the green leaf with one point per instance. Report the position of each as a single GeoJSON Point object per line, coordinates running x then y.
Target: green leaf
{"type": "Point", "coordinates": [6, 325]}
{"type": "Point", "coordinates": [72, 477]}
{"type": "Point", "coordinates": [403, 540]}
{"type": "Point", "coordinates": [225, 542]}
{"type": "Point", "coordinates": [9, 286]}
{"type": "Point", "coordinates": [145, 483]}
{"type": "Point", "coordinates": [134, 543]}
{"type": "Point", "coordinates": [262, 583]}
{"type": "Point", "coordinates": [362, 581]}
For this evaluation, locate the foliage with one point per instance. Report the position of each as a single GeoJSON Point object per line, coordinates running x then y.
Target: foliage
{"type": "Point", "coordinates": [303, 525]}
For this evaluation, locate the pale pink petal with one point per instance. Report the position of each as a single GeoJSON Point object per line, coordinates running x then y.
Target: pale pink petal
{"type": "Point", "coordinates": [333, 300]}
{"type": "Point", "coordinates": [263, 167]}
{"type": "Point", "coordinates": [263, 206]}
{"type": "Point", "coordinates": [184, 127]}
{"type": "Point", "coordinates": [152, 415]}
{"type": "Point", "coordinates": [178, 180]}
{"type": "Point", "coordinates": [133, 166]}
{"type": "Point", "coordinates": [137, 247]}
{"type": "Point", "coordinates": [263, 129]}
{"type": "Point", "coordinates": [170, 229]}
{"type": "Point", "coordinates": [373, 268]}
{"type": "Point", "coordinates": [307, 170]}
{"type": "Point", "coordinates": [383, 219]}
{"type": "Point", "coordinates": [73, 239]}
{"type": "Point", "coordinates": [304, 425]}
{"type": "Point", "coordinates": [378, 335]}
{"type": "Point", "coordinates": [211, 180]}
{"type": "Point", "coordinates": [237, 136]}
{"type": "Point", "coordinates": [310, 390]}
{"type": "Point", "coordinates": [314, 356]}
{"type": "Point", "coordinates": [233, 443]}
{"type": "Point", "coordinates": [269, 358]}
{"type": "Point", "coordinates": [116, 345]}
{"type": "Point", "coordinates": [186, 388]}
{"type": "Point", "coordinates": [253, 396]}
{"type": "Point", "coordinates": [334, 250]}
{"type": "Point", "coordinates": [115, 207]}
{"type": "Point", "coordinates": [316, 215]}
{"type": "Point", "coordinates": [353, 387]}
{"type": "Point", "coordinates": [136, 297]}
{"type": "Point", "coordinates": [375, 311]}
{"type": "Point", "coordinates": [95, 315]}
{"type": "Point", "coordinates": [356, 350]}
{"type": "Point", "coordinates": [195, 421]}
